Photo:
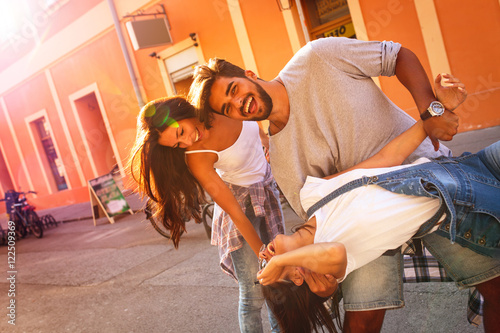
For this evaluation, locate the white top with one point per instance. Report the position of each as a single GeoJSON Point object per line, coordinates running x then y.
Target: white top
{"type": "Point", "coordinates": [244, 163]}
{"type": "Point", "coordinates": [368, 220]}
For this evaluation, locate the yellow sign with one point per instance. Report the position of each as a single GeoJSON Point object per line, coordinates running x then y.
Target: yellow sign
{"type": "Point", "coordinates": [344, 30]}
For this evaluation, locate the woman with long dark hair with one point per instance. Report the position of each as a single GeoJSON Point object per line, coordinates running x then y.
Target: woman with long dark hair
{"type": "Point", "coordinates": [378, 205]}
{"type": "Point", "coordinates": [176, 158]}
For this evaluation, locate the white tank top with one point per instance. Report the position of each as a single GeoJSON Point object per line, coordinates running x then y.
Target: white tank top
{"type": "Point", "coordinates": [244, 162]}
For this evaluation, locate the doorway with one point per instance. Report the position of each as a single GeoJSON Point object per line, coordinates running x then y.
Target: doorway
{"type": "Point", "coordinates": [6, 182]}
{"type": "Point", "coordinates": [96, 143]}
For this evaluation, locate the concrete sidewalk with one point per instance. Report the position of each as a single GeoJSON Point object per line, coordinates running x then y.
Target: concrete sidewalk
{"type": "Point", "coordinates": [125, 277]}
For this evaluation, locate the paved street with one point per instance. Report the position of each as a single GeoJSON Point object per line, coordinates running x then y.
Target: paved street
{"type": "Point", "coordinates": [124, 277]}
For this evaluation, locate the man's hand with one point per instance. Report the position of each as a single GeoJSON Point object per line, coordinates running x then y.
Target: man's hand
{"type": "Point", "coordinates": [441, 128]}
{"type": "Point", "coordinates": [323, 285]}
{"type": "Point", "coordinates": [449, 91]}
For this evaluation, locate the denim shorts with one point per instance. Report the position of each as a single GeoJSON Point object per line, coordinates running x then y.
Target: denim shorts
{"type": "Point", "coordinates": [378, 285]}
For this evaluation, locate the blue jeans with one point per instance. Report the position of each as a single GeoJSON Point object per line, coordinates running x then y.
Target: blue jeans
{"type": "Point", "coordinates": [246, 266]}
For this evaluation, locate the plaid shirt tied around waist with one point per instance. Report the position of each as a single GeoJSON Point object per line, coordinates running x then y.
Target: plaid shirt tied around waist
{"type": "Point", "coordinates": [264, 197]}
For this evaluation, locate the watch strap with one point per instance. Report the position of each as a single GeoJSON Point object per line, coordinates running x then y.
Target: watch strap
{"type": "Point", "coordinates": [425, 115]}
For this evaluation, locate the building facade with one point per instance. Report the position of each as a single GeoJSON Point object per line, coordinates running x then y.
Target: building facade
{"type": "Point", "coordinates": [74, 74]}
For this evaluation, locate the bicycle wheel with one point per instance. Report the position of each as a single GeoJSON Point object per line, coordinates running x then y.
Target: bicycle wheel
{"type": "Point", "coordinates": [21, 231]}
{"type": "Point", "coordinates": [3, 236]}
{"type": "Point", "coordinates": [157, 225]}
{"type": "Point", "coordinates": [44, 223]}
{"type": "Point", "coordinates": [48, 221]}
{"type": "Point", "coordinates": [34, 224]}
{"type": "Point", "coordinates": [206, 218]}
{"type": "Point", "coordinates": [52, 220]}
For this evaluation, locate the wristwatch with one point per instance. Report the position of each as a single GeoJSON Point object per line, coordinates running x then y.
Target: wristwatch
{"type": "Point", "coordinates": [436, 109]}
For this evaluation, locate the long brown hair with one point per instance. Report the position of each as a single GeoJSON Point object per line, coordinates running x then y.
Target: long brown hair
{"type": "Point", "coordinates": [298, 310]}
{"type": "Point", "coordinates": [161, 172]}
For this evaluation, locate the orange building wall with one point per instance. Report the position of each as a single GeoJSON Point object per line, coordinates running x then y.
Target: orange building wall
{"type": "Point", "coordinates": [268, 37]}
{"type": "Point", "coordinates": [13, 160]}
{"type": "Point", "coordinates": [100, 62]}
{"type": "Point", "coordinates": [396, 21]}
{"type": "Point", "coordinates": [471, 36]}
{"type": "Point", "coordinates": [21, 103]}
{"type": "Point", "coordinates": [472, 40]}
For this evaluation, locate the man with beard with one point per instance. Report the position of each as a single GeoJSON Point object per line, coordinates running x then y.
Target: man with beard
{"type": "Point", "coordinates": [326, 114]}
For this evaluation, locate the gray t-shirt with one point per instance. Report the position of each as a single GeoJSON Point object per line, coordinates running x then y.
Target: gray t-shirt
{"type": "Point", "coordinates": [338, 115]}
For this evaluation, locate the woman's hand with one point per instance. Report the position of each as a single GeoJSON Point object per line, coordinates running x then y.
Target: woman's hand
{"type": "Point", "coordinates": [271, 273]}
{"type": "Point", "coordinates": [449, 91]}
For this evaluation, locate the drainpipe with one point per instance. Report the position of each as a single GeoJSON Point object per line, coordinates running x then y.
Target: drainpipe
{"type": "Point", "coordinates": [126, 54]}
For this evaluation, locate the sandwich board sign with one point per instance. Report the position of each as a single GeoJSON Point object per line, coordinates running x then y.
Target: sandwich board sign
{"type": "Point", "coordinates": [106, 198]}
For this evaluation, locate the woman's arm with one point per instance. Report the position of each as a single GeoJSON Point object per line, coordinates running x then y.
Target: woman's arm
{"type": "Point", "coordinates": [322, 258]}
{"type": "Point", "coordinates": [201, 166]}
{"type": "Point", "coordinates": [395, 152]}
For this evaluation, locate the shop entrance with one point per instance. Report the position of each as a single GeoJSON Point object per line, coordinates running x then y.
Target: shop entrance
{"type": "Point", "coordinates": [328, 18]}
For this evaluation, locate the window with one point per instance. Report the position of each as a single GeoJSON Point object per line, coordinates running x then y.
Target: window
{"type": "Point", "coordinates": [54, 162]}
{"type": "Point", "coordinates": [180, 69]}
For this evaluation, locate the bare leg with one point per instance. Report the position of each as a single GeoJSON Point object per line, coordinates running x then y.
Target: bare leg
{"type": "Point", "coordinates": [491, 293]}
{"type": "Point", "coordinates": [364, 321]}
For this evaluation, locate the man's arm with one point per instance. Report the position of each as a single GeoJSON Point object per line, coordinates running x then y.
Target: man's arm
{"type": "Point", "coordinates": [411, 74]}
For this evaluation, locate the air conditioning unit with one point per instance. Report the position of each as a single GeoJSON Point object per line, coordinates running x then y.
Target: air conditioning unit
{"type": "Point", "coordinates": [148, 33]}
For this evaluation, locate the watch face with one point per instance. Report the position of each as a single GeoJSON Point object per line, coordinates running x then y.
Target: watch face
{"type": "Point", "coordinates": [436, 108]}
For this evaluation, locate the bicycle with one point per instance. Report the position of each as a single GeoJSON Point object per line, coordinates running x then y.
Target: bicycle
{"type": "Point", "coordinates": [206, 219]}
{"type": "Point", "coordinates": [3, 236]}
{"type": "Point", "coordinates": [22, 214]}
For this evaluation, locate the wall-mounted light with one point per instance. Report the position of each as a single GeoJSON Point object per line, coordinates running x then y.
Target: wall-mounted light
{"type": "Point", "coordinates": [154, 55]}
{"type": "Point", "coordinates": [193, 38]}
{"type": "Point", "coordinates": [285, 4]}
